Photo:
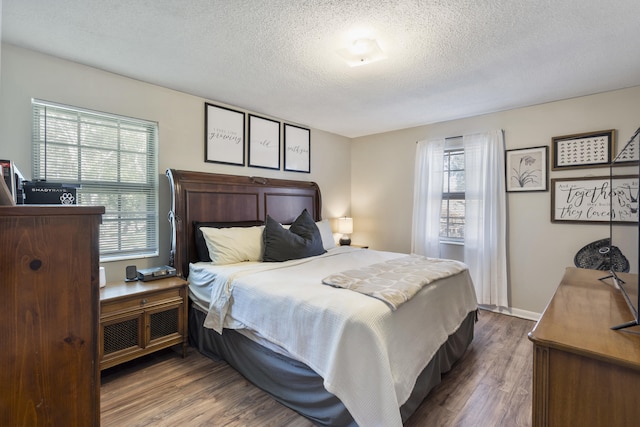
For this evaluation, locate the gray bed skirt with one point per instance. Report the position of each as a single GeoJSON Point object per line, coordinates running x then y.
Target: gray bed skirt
{"type": "Point", "coordinates": [297, 386]}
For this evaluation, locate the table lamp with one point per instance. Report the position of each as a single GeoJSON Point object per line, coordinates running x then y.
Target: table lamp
{"type": "Point", "coordinates": [345, 227]}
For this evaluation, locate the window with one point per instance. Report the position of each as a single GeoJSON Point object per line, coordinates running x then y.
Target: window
{"type": "Point", "coordinates": [453, 199]}
{"type": "Point", "coordinates": [112, 161]}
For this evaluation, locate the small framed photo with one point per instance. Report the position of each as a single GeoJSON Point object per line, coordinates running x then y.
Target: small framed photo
{"type": "Point", "coordinates": [297, 149]}
{"type": "Point", "coordinates": [223, 135]}
{"type": "Point", "coordinates": [583, 150]}
{"type": "Point", "coordinates": [526, 169]}
{"type": "Point", "coordinates": [264, 143]}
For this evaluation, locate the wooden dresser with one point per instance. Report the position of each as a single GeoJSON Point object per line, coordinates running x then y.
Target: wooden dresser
{"type": "Point", "coordinates": [584, 373]}
{"type": "Point", "coordinates": [49, 373]}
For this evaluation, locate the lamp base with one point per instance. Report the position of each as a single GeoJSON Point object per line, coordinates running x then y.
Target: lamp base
{"type": "Point", "coordinates": [345, 241]}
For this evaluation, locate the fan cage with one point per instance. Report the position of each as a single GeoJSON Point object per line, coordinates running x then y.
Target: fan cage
{"type": "Point", "coordinates": [601, 255]}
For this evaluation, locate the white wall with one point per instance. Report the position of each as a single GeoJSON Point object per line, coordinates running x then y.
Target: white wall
{"type": "Point", "coordinates": [374, 174]}
{"type": "Point", "coordinates": [27, 74]}
{"type": "Point", "coordinates": [382, 188]}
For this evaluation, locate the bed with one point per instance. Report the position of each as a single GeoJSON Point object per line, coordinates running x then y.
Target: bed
{"type": "Point", "coordinates": [351, 359]}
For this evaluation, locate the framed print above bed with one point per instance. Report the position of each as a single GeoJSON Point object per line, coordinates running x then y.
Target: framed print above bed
{"type": "Point", "coordinates": [264, 143]}
{"type": "Point", "coordinates": [527, 169]}
{"type": "Point", "coordinates": [297, 149]}
{"type": "Point", "coordinates": [223, 135]}
{"type": "Point", "coordinates": [583, 150]}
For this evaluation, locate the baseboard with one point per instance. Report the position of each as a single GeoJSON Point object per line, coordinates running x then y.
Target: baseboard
{"type": "Point", "coordinates": [524, 314]}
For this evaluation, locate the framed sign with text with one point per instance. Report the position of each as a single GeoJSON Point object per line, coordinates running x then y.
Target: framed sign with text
{"type": "Point", "coordinates": [595, 199]}
{"type": "Point", "coordinates": [223, 135]}
{"type": "Point", "coordinates": [264, 143]}
{"type": "Point", "coordinates": [297, 149]}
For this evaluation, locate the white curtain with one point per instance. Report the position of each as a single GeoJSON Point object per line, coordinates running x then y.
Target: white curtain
{"type": "Point", "coordinates": [485, 210]}
{"type": "Point", "coordinates": [427, 198]}
{"type": "Point", "coordinates": [485, 228]}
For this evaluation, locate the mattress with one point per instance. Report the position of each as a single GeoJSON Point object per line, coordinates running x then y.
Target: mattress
{"type": "Point", "coordinates": [367, 355]}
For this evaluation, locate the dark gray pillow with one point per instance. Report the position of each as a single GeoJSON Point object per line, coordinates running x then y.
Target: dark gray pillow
{"type": "Point", "coordinates": [301, 240]}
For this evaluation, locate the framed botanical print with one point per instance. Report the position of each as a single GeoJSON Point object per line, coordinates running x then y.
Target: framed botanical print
{"type": "Point", "coordinates": [526, 169]}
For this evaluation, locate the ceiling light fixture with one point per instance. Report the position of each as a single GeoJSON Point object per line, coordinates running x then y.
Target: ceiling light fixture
{"type": "Point", "coordinates": [361, 52]}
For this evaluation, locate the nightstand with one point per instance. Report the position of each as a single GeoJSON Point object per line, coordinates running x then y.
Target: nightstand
{"type": "Point", "coordinates": [138, 318]}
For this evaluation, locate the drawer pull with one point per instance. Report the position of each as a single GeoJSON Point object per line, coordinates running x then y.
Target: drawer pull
{"type": "Point", "coordinates": [143, 301]}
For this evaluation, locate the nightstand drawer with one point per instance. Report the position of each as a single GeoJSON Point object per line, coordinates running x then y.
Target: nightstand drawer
{"type": "Point", "coordinates": [135, 302]}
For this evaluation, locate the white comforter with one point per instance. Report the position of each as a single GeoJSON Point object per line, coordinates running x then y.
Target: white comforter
{"type": "Point", "coordinates": [325, 327]}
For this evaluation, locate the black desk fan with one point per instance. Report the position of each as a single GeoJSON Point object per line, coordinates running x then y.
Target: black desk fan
{"type": "Point", "coordinates": [600, 255]}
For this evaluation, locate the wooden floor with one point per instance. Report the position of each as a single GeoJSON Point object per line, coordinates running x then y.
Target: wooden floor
{"type": "Point", "coordinates": [489, 386]}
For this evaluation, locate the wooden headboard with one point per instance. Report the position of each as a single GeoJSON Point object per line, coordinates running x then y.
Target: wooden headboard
{"type": "Point", "coordinates": [208, 197]}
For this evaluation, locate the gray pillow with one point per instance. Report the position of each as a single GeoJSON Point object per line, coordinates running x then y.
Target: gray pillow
{"type": "Point", "coordinates": [301, 240]}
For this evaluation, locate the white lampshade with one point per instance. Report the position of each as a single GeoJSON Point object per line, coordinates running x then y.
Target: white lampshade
{"type": "Point", "coordinates": [345, 225]}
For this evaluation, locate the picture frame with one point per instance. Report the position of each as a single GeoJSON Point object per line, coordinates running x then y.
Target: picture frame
{"type": "Point", "coordinates": [6, 198]}
{"type": "Point", "coordinates": [264, 143]}
{"type": "Point", "coordinates": [629, 154]}
{"type": "Point", "coordinates": [297, 148]}
{"type": "Point", "coordinates": [526, 169]}
{"type": "Point", "coordinates": [583, 150]}
{"type": "Point", "coordinates": [224, 138]}
{"type": "Point", "coordinates": [589, 199]}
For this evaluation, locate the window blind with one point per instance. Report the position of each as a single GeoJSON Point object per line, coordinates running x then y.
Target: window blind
{"type": "Point", "coordinates": [112, 160]}
{"type": "Point", "coordinates": [452, 217]}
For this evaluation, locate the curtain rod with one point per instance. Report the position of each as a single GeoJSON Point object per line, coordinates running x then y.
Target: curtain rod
{"type": "Point", "coordinates": [449, 137]}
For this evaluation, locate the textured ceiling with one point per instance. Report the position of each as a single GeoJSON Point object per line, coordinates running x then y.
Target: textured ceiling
{"type": "Point", "coordinates": [446, 59]}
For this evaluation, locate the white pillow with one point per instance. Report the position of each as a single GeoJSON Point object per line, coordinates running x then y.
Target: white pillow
{"type": "Point", "coordinates": [327, 235]}
{"type": "Point", "coordinates": [234, 244]}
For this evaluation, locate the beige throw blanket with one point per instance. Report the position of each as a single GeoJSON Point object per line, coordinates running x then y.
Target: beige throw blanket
{"type": "Point", "coordinates": [395, 281]}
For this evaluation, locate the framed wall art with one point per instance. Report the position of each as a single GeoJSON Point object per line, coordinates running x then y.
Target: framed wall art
{"type": "Point", "coordinates": [595, 199]}
{"type": "Point", "coordinates": [223, 135]}
{"type": "Point", "coordinates": [629, 154]}
{"type": "Point", "coordinates": [583, 150]}
{"type": "Point", "coordinates": [526, 169]}
{"type": "Point", "coordinates": [297, 148]}
{"type": "Point", "coordinates": [264, 142]}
